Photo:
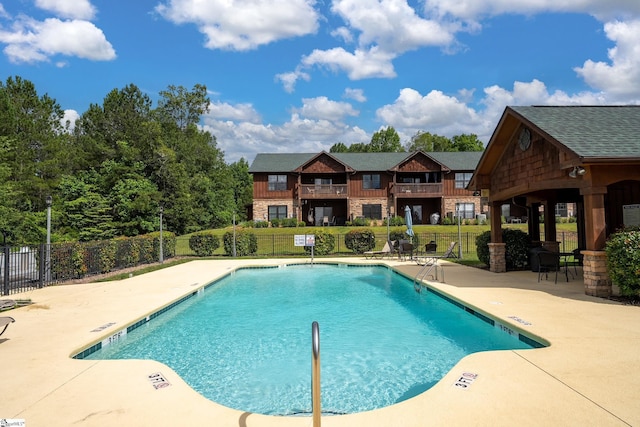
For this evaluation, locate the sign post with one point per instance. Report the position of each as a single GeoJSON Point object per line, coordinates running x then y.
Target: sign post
{"type": "Point", "coordinates": [305, 240]}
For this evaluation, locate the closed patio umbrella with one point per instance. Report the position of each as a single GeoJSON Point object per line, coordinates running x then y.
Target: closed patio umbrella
{"type": "Point", "coordinates": [408, 221]}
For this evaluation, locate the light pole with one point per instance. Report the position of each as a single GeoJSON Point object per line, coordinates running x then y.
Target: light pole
{"type": "Point", "coordinates": [49, 201]}
{"type": "Point", "coordinates": [234, 235]}
{"type": "Point", "coordinates": [161, 254]}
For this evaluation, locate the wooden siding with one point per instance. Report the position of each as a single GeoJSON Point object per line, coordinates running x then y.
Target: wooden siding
{"type": "Point", "coordinates": [261, 187]}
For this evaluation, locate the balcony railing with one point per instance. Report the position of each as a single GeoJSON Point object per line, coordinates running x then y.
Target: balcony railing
{"type": "Point", "coordinates": [434, 189]}
{"type": "Point", "coordinates": [334, 191]}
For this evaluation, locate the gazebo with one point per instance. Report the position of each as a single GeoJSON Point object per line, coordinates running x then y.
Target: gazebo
{"type": "Point", "coordinates": [539, 156]}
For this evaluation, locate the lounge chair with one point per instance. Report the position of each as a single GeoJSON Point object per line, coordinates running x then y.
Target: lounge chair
{"type": "Point", "coordinates": [7, 304]}
{"type": "Point", "coordinates": [432, 258]}
{"type": "Point", "coordinates": [387, 250]}
{"type": "Point", "coordinates": [4, 323]}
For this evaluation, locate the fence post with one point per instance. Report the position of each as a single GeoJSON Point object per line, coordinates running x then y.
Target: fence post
{"type": "Point", "coordinates": [5, 269]}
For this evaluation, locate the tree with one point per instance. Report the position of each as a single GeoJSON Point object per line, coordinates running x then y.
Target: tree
{"type": "Point", "coordinates": [339, 147]}
{"type": "Point", "coordinates": [182, 107]}
{"type": "Point", "coordinates": [426, 141]}
{"type": "Point", "coordinates": [466, 142]}
{"type": "Point", "coordinates": [385, 141]}
{"type": "Point", "coordinates": [242, 187]}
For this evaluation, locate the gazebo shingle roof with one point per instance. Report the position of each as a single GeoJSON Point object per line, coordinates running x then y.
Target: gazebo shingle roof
{"type": "Point", "coordinates": [596, 132]}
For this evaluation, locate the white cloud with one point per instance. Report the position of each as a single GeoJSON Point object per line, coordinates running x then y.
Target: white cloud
{"type": "Point", "coordinates": [325, 109]}
{"type": "Point", "coordinates": [238, 112]}
{"type": "Point", "coordinates": [70, 116]}
{"type": "Point", "coordinates": [243, 24]}
{"type": "Point", "coordinates": [355, 94]}
{"type": "Point", "coordinates": [621, 77]}
{"type": "Point", "coordinates": [74, 9]}
{"type": "Point", "coordinates": [475, 10]}
{"type": "Point", "coordinates": [290, 79]}
{"type": "Point", "coordinates": [32, 41]}
{"type": "Point", "coordinates": [360, 64]}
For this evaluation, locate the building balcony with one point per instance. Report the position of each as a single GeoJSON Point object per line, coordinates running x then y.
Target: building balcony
{"type": "Point", "coordinates": [413, 190]}
{"type": "Point", "coordinates": [329, 191]}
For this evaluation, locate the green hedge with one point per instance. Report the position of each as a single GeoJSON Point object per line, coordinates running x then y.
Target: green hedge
{"type": "Point", "coordinates": [517, 247]}
{"type": "Point", "coordinates": [623, 260]}
{"type": "Point", "coordinates": [325, 242]}
{"type": "Point", "coordinates": [204, 243]}
{"type": "Point", "coordinates": [246, 243]}
{"type": "Point", "coordinates": [359, 241]}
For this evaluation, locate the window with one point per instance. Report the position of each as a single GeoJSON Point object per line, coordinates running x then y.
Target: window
{"type": "Point", "coordinates": [372, 211]}
{"type": "Point", "coordinates": [462, 179]}
{"type": "Point", "coordinates": [277, 212]}
{"type": "Point", "coordinates": [561, 210]}
{"type": "Point", "coordinates": [466, 210]}
{"type": "Point", "coordinates": [371, 181]}
{"type": "Point", "coordinates": [277, 182]}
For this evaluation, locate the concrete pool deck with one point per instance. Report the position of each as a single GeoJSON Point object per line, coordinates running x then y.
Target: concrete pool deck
{"type": "Point", "coordinates": [588, 376]}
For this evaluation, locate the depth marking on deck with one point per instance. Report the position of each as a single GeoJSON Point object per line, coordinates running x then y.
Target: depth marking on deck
{"type": "Point", "coordinates": [465, 380]}
{"type": "Point", "coordinates": [519, 320]}
{"type": "Point", "coordinates": [103, 327]}
{"type": "Point", "coordinates": [158, 380]}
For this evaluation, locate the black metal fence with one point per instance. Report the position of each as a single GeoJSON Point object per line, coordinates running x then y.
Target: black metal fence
{"type": "Point", "coordinates": [30, 267]}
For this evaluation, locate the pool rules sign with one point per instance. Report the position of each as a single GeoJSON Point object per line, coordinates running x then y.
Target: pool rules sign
{"type": "Point", "coordinates": [305, 240]}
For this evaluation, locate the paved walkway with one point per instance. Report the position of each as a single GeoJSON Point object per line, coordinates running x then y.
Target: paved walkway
{"type": "Point", "coordinates": [588, 376]}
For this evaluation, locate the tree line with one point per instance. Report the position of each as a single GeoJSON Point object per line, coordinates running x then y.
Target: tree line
{"type": "Point", "coordinates": [111, 172]}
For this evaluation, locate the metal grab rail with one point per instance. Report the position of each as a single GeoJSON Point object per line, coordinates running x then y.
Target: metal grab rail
{"type": "Point", "coordinates": [315, 374]}
{"type": "Point", "coordinates": [426, 271]}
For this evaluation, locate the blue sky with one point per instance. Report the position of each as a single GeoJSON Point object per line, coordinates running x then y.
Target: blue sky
{"type": "Point", "coordinates": [302, 75]}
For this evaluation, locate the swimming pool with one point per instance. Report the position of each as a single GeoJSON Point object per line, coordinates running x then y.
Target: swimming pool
{"type": "Point", "coordinates": [245, 341]}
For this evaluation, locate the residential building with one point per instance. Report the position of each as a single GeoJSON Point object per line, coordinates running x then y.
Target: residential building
{"type": "Point", "coordinates": [333, 188]}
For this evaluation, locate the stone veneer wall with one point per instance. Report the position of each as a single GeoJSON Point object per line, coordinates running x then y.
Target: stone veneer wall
{"type": "Point", "coordinates": [450, 204]}
{"type": "Point", "coordinates": [596, 279]}
{"type": "Point", "coordinates": [261, 208]}
{"type": "Point", "coordinates": [497, 257]}
{"type": "Point", "coordinates": [355, 206]}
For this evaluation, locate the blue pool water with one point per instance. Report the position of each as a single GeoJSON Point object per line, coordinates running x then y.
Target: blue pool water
{"type": "Point", "coordinates": [245, 342]}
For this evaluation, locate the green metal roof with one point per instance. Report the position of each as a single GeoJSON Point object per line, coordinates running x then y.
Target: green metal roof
{"type": "Point", "coordinates": [590, 131]}
{"type": "Point", "coordinates": [364, 162]}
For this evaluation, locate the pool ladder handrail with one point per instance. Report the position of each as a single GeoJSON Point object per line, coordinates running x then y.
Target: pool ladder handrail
{"type": "Point", "coordinates": [429, 269]}
{"type": "Point", "coordinates": [315, 374]}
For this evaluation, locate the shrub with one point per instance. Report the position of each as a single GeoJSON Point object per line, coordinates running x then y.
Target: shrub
{"type": "Point", "coordinates": [325, 243]}
{"type": "Point", "coordinates": [517, 246]}
{"type": "Point", "coordinates": [275, 223]}
{"type": "Point", "coordinates": [204, 243]}
{"type": "Point", "coordinates": [246, 243]}
{"type": "Point", "coordinates": [289, 222]}
{"type": "Point", "coordinates": [396, 221]}
{"type": "Point", "coordinates": [623, 260]}
{"type": "Point", "coordinates": [360, 222]}
{"type": "Point", "coordinates": [360, 241]}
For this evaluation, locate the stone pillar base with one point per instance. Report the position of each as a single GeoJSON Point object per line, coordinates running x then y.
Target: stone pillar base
{"type": "Point", "coordinates": [497, 258]}
{"type": "Point", "coordinates": [596, 279]}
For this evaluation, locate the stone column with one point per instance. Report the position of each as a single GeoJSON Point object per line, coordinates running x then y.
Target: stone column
{"type": "Point", "coordinates": [596, 279]}
{"type": "Point", "coordinates": [497, 258]}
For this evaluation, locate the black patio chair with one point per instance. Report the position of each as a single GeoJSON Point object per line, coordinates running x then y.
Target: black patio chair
{"type": "Point", "coordinates": [548, 261]}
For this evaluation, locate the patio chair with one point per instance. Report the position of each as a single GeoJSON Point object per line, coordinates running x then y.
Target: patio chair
{"type": "Point", "coordinates": [432, 258]}
{"type": "Point", "coordinates": [548, 261]}
{"type": "Point", "coordinates": [577, 260]}
{"type": "Point", "coordinates": [405, 248]}
{"type": "Point", "coordinates": [4, 323]}
{"type": "Point", "coordinates": [387, 250]}
{"type": "Point", "coordinates": [431, 247]}
{"type": "Point", "coordinates": [325, 221]}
